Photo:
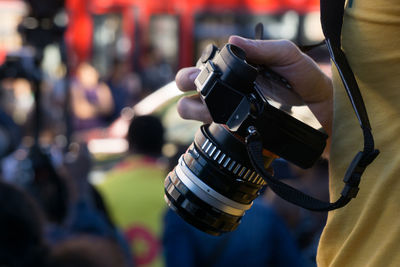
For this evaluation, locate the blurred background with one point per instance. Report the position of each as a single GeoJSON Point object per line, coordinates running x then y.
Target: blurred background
{"type": "Point", "coordinates": [75, 73]}
{"type": "Point", "coordinates": [133, 46]}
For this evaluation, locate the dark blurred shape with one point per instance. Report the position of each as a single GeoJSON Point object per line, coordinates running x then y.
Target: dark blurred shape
{"type": "Point", "coordinates": [10, 134]}
{"type": "Point", "coordinates": [320, 54]}
{"type": "Point", "coordinates": [156, 71]}
{"type": "Point", "coordinates": [19, 66]}
{"type": "Point", "coordinates": [305, 225]}
{"type": "Point", "coordinates": [47, 186]}
{"type": "Point", "coordinates": [21, 242]}
{"type": "Point", "coordinates": [87, 214]}
{"type": "Point", "coordinates": [23, 66]}
{"type": "Point", "coordinates": [45, 24]}
{"type": "Point", "coordinates": [262, 239]}
{"type": "Point", "coordinates": [42, 181]}
{"type": "Point", "coordinates": [125, 85]}
{"type": "Point", "coordinates": [40, 28]}
{"type": "Point", "coordinates": [87, 251]}
{"type": "Point", "coordinates": [146, 135]}
{"type": "Point", "coordinates": [45, 8]}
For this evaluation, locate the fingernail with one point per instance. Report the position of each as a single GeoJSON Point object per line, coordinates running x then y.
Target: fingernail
{"type": "Point", "coordinates": [239, 40]}
{"type": "Point", "coordinates": [194, 74]}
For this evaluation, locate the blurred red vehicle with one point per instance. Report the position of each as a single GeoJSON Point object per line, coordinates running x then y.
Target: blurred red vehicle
{"type": "Point", "coordinates": [101, 30]}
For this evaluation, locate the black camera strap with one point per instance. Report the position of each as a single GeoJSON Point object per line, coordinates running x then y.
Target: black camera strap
{"type": "Point", "coordinates": [331, 19]}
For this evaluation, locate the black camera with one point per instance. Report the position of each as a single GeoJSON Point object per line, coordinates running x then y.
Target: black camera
{"type": "Point", "coordinates": [214, 182]}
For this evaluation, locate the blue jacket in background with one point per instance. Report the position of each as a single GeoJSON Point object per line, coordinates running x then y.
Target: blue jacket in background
{"type": "Point", "coordinates": [262, 239]}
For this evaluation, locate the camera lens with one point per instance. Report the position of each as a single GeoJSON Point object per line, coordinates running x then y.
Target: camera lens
{"type": "Point", "coordinates": [211, 188]}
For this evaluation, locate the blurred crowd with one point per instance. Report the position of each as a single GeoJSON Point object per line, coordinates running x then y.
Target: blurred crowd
{"type": "Point", "coordinates": [52, 214]}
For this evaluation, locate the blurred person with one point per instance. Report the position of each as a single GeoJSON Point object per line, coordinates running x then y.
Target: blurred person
{"type": "Point", "coordinates": [21, 229]}
{"type": "Point", "coordinates": [86, 251]}
{"type": "Point", "coordinates": [40, 146]}
{"type": "Point", "coordinates": [363, 232]}
{"type": "Point", "coordinates": [70, 206]}
{"type": "Point", "coordinates": [133, 190]}
{"type": "Point", "coordinates": [126, 86]}
{"type": "Point", "coordinates": [39, 177]}
{"type": "Point", "coordinates": [87, 214]}
{"type": "Point", "coordinates": [156, 71]}
{"type": "Point", "coordinates": [17, 98]}
{"type": "Point", "coordinates": [91, 99]}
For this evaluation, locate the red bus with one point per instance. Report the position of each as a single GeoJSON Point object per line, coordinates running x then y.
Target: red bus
{"type": "Point", "coordinates": [102, 30]}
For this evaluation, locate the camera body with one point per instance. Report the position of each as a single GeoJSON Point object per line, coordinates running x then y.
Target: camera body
{"type": "Point", "coordinates": [214, 182]}
{"type": "Point", "coordinates": [227, 86]}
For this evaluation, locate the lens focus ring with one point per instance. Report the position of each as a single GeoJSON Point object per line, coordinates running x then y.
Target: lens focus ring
{"type": "Point", "coordinates": [241, 172]}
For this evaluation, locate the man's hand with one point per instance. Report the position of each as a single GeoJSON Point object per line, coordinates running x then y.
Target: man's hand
{"type": "Point", "coordinates": [191, 107]}
{"type": "Point", "coordinates": [281, 56]}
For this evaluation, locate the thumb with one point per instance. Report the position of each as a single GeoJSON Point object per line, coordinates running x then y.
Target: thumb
{"type": "Point", "coordinates": [268, 52]}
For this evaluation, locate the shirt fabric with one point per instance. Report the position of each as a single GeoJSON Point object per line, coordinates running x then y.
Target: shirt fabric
{"type": "Point", "coordinates": [366, 232]}
{"type": "Point", "coordinates": [133, 193]}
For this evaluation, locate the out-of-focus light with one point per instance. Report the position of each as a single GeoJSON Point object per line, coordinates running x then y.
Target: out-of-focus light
{"type": "Point", "coordinates": [312, 27]}
{"type": "Point", "coordinates": [169, 150]}
{"type": "Point", "coordinates": [153, 101]}
{"type": "Point", "coordinates": [96, 177]}
{"type": "Point", "coordinates": [61, 19]}
{"type": "Point", "coordinates": [30, 23]}
{"type": "Point", "coordinates": [123, 45]}
{"type": "Point", "coordinates": [119, 128]}
{"type": "Point", "coordinates": [289, 26]}
{"type": "Point", "coordinates": [61, 140]}
{"type": "Point", "coordinates": [127, 113]}
{"type": "Point", "coordinates": [108, 146]}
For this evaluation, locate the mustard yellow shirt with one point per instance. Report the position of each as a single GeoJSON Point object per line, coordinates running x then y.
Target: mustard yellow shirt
{"type": "Point", "coordinates": [367, 231]}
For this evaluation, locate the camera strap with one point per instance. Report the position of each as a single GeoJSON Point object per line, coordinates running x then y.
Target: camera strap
{"type": "Point", "coordinates": [332, 12]}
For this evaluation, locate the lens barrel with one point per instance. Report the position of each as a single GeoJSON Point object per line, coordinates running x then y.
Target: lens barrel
{"type": "Point", "coordinates": [211, 188]}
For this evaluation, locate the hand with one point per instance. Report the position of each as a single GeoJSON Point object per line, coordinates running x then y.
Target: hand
{"type": "Point", "coordinates": [191, 107]}
{"type": "Point", "coordinates": [281, 56]}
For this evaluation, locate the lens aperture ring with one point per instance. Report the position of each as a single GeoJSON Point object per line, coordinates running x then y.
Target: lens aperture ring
{"type": "Point", "coordinates": [207, 194]}
{"type": "Point", "coordinates": [232, 166]}
{"type": "Point", "coordinates": [195, 210]}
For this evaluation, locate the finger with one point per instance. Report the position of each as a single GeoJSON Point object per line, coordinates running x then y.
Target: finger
{"type": "Point", "coordinates": [268, 52]}
{"type": "Point", "coordinates": [191, 108]}
{"type": "Point", "coordinates": [285, 58]}
{"type": "Point", "coordinates": [185, 78]}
